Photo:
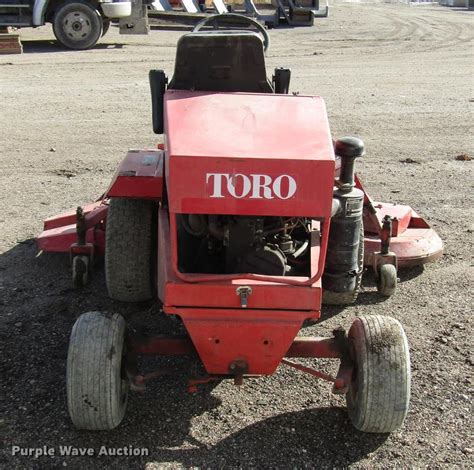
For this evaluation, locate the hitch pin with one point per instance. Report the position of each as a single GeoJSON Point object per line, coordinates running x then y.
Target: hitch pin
{"type": "Point", "coordinates": [243, 292]}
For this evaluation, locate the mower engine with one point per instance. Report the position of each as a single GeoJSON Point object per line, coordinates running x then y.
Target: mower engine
{"type": "Point", "coordinates": [220, 244]}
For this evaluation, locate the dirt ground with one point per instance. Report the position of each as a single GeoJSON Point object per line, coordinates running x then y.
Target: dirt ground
{"type": "Point", "coordinates": [400, 77]}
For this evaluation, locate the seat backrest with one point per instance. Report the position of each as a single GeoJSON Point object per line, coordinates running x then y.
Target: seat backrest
{"type": "Point", "coordinates": [229, 61]}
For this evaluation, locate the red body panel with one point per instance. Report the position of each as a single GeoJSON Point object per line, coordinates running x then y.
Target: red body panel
{"type": "Point", "coordinates": [248, 154]}
{"type": "Point", "coordinates": [259, 338]}
{"type": "Point", "coordinates": [265, 330]}
{"type": "Point", "coordinates": [140, 175]}
{"type": "Point", "coordinates": [174, 292]}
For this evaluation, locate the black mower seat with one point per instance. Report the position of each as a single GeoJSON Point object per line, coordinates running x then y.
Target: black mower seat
{"type": "Point", "coordinates": [228, 61]}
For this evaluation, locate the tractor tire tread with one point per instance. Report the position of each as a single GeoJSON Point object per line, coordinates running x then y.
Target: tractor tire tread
{"type": "Point", "coordinates": [129, 250]}
{"type": "Point", "coordinates": [380, 402]}
{"type": "Point", "coordinates": [96, 396]}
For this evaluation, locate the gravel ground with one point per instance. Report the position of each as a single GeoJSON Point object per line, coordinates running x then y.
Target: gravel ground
{"type": "Point", "coordinates": [402, 78]}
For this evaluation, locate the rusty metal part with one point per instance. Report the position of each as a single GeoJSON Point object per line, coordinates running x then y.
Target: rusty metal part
{"type": "Point", "coordinates": [384, 256]}
{"type": "Point", "coordinates": [385, 235]}
{"type": "Point", "coordinates": [336, 347]}
{"type": "Point", "coordinates": [343, 378]}
{"type": "Point", "coordinates": [341, 381]}
{"type": "Point", "coordinates": [81, 227]}
{"type": "Point", "coordinates": [193, 383]}
{"type": "Point", "coordinates": [346, 367]}
{"type": "Point", "coordinates": [308, 370]}
{"type": "Point", "coordinates": [238, 368]}
{"type": "Point", "coordinates": [137, 382]}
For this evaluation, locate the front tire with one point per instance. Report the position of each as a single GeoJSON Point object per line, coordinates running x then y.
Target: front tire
{"type": "Point", "coordinates": [77, 25]}
{"type": "Point", "coordinates": [379, 394]}
{"type": "Point", "coordinates": [96, 387]}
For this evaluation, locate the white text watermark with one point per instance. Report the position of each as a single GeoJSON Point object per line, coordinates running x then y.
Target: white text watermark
{"type": "Point", "coordinates": [71, 451]}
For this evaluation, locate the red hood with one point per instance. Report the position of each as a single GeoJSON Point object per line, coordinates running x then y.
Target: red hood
{"type": "Point", "coordinates": [248, 154]}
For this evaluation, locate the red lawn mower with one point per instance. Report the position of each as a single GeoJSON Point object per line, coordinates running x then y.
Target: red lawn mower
{"type": "Point", "coordinates": [241, 224]}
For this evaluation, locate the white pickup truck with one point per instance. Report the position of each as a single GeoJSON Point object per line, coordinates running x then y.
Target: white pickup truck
{"type": "Point", "coordinates": [77, 24]}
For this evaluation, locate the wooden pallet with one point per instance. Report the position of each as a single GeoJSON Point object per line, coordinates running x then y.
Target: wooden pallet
{"type": "Point", "coordinates": [10, 42]}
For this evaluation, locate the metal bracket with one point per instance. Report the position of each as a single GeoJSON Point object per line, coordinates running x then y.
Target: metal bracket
{"type": "Point", "coordinates": [386, 235]}
{"type": "Point", "coordinates": [346, 368]}
{"type": "Point", "coordinates": [244, 292]}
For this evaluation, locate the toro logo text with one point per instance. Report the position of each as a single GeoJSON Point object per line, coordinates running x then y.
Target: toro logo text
{"type": "Point", "coordinates": [255, 186]}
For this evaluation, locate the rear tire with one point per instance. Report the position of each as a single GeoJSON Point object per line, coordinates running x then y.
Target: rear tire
{"type": "Point", "coordinates": [96, 390]}
{"type": "Point", "coordinates": [129, 250]}
{"type": "Point", "coordinates": [77, 25]}
{"type": "Point", "coordinates": [379, 394]}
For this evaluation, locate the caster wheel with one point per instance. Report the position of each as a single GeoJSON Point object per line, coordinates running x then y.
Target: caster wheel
{"type": "Point", "coordinates": [80, 270]}
{"type": "Point", "coordinates": [387, 280]}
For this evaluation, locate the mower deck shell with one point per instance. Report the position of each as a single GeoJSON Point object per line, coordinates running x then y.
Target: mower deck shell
{"type": "Point", "coordinates": [418, 244]}
{"type": "Point", "coordinates": [60, 232]}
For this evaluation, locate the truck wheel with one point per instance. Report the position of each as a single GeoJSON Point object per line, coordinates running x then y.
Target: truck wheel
{"type": "Point", "coordinates": [387, 280]}
{"type": "Point", "coordinates": [105, 26]}
{"type": "Point", "coordinates": [97, 389]}
{"type": "Point", "coordinates": [77, 25]}
{"type": "Point", "coordinates": [379, 394]}
{"type": "Point", "coordinates": [129, 248]}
